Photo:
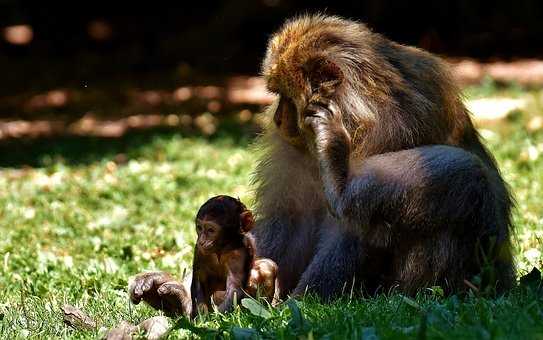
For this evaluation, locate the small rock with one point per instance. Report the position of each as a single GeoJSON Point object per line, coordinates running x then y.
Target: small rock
{"type": "Point", "coordinates": [77, 319]}
{"type": "Point", "coordinates": [155, 327]}
{"type": "Point", "coordinates": [123, 331]}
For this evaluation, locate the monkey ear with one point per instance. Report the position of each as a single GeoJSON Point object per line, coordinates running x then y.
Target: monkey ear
{"type": "Point", "coordinates": [247, 221]}
{"type": "Point", "coordinates": [324, 75]}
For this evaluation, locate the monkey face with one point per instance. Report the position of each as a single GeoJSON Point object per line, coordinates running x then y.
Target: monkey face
{"type": "Point", "coordinates": [289, 115]}
{"type": "Point", "coordinates": [220, 222]}
{"type": "Point", "coordinates": [210, 236]}
{"type": "Point", "coordinates": [288, 110]}
{"type": "Point", "coordinates": [314, 81]}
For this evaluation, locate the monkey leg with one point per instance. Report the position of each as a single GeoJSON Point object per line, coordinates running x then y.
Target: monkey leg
{"type": "Point", "coordinates": [448, 259]}
{"type": "Point", "coordinates": [425, 191]}
{"type": "Point", "coordinates": [432, 188]}
{"type": "Point", "coordinates": [421, 188]}
{"type": "Point", "coordinates": [335, 268]}
{"type": "Point", "coordinates": [218, 297]}
{"type": "Point", "coordinates": [422, 260]}
{"type": "Point", "coordinates": [262, 281]}
{"type": "Point", "coordinates": [291, 247]}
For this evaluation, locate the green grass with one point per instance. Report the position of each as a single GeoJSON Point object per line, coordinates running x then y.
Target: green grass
{"type": "Point", "coordinates": [76, 225]}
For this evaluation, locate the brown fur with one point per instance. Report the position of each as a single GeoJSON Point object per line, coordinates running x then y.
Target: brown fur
{"type": "Point", "coordinates": [390, 98]}
{"type": "Point", "coordinates": [397, 96]}
{"type": "Point", "coordinates": [224, 264]}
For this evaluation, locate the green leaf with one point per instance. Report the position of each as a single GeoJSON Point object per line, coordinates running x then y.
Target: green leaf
{"type": "Point", "coordinates": [423, 326]}
{"type": "Point", "coordinates": [437, 291]}
{"type": "Point", "coordinates": [411, 302]}
{"type": "Point", "coordinates": [184, 323]}
{"type": "Point", "coordinates": [297, 322]}
{"type": "Point", "coordinates": [369, 333]}
{"type": "Point", "coordinates": [244, 333]}
{"type": "Point", "coordinates": [256, 308]}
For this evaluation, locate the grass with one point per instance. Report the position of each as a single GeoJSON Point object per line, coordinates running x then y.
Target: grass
{"type": "Point", "coordinates": [91, 212]}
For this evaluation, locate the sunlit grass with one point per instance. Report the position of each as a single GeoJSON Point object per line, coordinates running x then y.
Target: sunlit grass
{"type": "Point", "coordinates": [91, 213]}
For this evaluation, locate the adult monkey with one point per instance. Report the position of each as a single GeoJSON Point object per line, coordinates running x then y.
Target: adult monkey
{"type": "Point", "coordinates": [372, 172]}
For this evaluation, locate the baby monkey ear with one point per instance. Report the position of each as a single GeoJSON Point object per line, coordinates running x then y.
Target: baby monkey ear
{"type": "Point", "coordinates": [247, 221]}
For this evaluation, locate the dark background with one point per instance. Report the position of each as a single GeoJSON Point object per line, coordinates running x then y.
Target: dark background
{"type": "Point", "coordinates": [104, 75]}
{"type": "Point", "coordinates": [225, 37]}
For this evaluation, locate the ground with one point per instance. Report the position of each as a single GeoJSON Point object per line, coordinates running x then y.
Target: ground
{"type": "Point", "coordinates": [79, 215]}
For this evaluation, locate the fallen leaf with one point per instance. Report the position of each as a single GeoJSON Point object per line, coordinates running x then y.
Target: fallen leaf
{"type": "Point", "coordinates": [77, 319]}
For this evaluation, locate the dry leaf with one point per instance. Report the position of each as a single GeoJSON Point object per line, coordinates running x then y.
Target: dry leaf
{"type": "Point", "coordinates": [77, 319]}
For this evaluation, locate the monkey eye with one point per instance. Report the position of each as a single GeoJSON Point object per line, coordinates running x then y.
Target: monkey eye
{"type": "Point", "coordinates": [198, 228]}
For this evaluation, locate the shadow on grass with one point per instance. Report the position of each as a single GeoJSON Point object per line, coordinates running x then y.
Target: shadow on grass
{"type": "Point", "coordinates": [82, 150]}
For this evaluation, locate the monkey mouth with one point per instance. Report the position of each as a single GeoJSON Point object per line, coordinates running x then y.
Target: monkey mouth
{"type": "Point", "coordinates": [206, 248]}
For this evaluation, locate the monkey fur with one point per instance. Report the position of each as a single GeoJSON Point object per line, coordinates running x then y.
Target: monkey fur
{"type": "Point", "coordinates": [224, 266]}
{"type": "Point", "coordinates": [371, 173]}
{"type": "Point", "coordinates": [372, 170]}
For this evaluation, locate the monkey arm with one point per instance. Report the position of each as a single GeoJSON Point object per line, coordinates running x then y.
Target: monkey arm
{"type": "Point", "coordinates": [418, 188]}
{"type": "Point", "coordinates": [234, 292]}
{"type": "Point", "coordinates": [263, 280]}
{"type": "Point", "coordinates": [333, 148]}
{"type": "Point", "coordinates": [236, 273]}
{"type": "Point", "coordinates": [199, 301]}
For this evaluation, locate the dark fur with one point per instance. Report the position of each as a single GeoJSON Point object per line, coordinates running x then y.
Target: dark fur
{"type": "Point", "coordinates": [350, 193]}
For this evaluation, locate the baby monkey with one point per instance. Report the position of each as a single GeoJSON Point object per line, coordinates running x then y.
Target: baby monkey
{"type": "Point", "coordinates": [225, 267]}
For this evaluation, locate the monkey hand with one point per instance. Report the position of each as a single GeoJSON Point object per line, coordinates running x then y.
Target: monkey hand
{"type": "Point", "coordinates": [332, 146]}
{"type": "Point", "coordinates": [323, 118]}
{"type": "Point", "coordinates": [160, 291]}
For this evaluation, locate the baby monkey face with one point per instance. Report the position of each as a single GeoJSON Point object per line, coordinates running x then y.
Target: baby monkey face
{"type": "Point", "coordinates": [221, 223]}
{"type": "Point", "coordinates": [210, 236]}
